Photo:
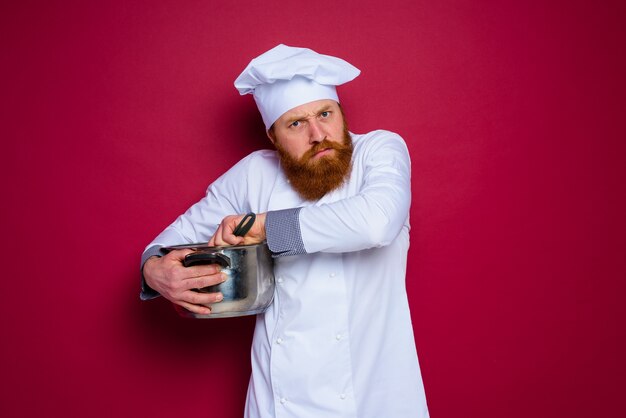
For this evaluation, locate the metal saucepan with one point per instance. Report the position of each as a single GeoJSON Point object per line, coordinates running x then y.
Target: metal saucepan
{"type": "Point", "coordinates": [249, 288]}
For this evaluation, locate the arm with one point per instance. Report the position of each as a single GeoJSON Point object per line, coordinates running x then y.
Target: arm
{"type": "Point", "coordinates": [165, 275]}
{"type": "Point", "coordinates": [376, 214]}
{"type": "Point", "coordinates": [371, 218]}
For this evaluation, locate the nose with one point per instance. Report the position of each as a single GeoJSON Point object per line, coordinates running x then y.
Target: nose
{"type": "Point", "coordinates": [316, 132]}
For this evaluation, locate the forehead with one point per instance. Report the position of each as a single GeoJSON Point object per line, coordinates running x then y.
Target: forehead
{"type": "Point", "coordinates": [309, 108]}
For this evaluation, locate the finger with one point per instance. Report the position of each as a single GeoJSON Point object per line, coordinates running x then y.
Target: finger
{"type": "Point", "coordinates": [229, 224]}
{"type": "Point", "coordinates": [204, 281]}
{"type": "Point", "coordinates": [212, 242]}
{"type": "Point", "coordinates": [202, 270]}
{"type": "Point", "coordinates": [197, 309]}
{"type": "Point", "coordinates": [178, 255]}
{"type": "Point", "coordinates": [251, 240]}
{"type": "Point", "coordinates": [198, 298]}
{"type": "Point", "coordinates": [217, 236]}
{"type": "Point", "coordinates": [233, 240]}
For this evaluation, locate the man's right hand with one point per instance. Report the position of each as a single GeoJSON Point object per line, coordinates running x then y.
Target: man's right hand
{"type": "Point", "coordinates": [175, 282]}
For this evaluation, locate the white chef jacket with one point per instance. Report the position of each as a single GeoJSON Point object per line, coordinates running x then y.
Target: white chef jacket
{"type": "Point", "coordinates": [337, 340]}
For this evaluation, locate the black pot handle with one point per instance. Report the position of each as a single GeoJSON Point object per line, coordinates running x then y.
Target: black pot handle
{"type": "Point", "coordinates": [201, 257]}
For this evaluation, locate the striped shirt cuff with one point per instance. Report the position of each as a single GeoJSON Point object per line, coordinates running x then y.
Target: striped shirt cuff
{"type": "Point", "coordinates": [282, 230]}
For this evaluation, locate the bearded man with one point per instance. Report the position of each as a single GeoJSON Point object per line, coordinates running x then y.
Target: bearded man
{"type": "Point", "coordinates": [333, 207]}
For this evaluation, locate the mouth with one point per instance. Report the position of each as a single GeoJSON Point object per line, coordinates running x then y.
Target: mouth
{"type": "Point", "coordinates": [323, 152]}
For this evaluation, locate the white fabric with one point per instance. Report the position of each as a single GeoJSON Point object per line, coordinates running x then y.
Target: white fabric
{"type": "Point", "coordinates": [286, 77]}
{"type": "Point", "coordinates": [338, 340]}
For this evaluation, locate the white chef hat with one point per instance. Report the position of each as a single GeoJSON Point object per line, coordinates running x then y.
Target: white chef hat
{"type": "Point", "coordinates": [285, 77]}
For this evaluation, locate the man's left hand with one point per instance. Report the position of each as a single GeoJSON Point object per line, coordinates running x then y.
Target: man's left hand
{"type": "Point", "coordinates": [224, 235]}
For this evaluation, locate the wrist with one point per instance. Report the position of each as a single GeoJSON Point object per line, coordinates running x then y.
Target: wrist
{"type": "Point", "coordinates": [146, 268]}
{"type": "Point", "coordinates": [260, 219]}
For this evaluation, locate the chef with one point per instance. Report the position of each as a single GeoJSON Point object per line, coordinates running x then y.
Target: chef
{"type": "Point", "coordinates": [333, 207]}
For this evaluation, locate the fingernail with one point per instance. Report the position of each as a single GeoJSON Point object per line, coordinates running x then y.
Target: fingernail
{"type": "Point", "coordinates": [224, 277]}
{"type": "Point", "coordinates": [219, 297]}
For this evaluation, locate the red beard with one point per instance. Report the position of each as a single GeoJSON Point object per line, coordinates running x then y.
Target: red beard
{"type": "Point", "coordinates": [313, 178]}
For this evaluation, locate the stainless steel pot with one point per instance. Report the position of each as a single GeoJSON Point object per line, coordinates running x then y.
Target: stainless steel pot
{"type": "Point", "coordinates": [249, 288]}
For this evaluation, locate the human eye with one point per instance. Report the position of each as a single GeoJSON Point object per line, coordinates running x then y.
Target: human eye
{"type": "Point", "coordinates": [295, 124]}
{"type": "Point", "coordinates": [325, 114]}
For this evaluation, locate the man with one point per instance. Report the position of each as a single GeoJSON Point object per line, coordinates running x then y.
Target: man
{"type": "Point", "coordinates": [334, 208]}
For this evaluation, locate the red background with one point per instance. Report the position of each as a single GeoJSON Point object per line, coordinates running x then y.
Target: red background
{"type": "Point", "coordinates": [116, 115]}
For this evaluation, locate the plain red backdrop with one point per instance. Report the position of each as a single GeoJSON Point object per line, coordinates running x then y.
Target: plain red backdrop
{"type": "Point", "coordinates": [116, 116]}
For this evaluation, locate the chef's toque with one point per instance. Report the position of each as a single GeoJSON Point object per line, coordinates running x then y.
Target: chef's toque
{"type": "Point", "coordinates": [286, 77]}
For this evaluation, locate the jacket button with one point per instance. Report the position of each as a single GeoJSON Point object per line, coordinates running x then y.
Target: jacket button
{"type": "Point", "coordinates": [283, 401]}
{"type": "Point", "coordinates": [342, 396]}
{"type": "Point", "coordinates": [279, 341]}
{"type": "Point", "coordinates": [338, 337]}
{"type": "Point", "coordinates": [332, 275]}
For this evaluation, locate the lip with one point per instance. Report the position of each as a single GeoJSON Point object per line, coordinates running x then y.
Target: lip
{"type": "Point", "coordinates": [322, 152]}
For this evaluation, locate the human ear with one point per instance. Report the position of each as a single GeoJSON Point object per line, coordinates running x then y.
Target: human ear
{"type": "Point", "coordinates": [270, 135]}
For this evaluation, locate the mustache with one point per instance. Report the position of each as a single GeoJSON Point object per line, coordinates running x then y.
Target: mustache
{"type": "Point", "coordinates": [325, 144]}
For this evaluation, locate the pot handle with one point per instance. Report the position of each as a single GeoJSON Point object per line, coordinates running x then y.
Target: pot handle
{"type": "Point", "coordinates": [201, 257]}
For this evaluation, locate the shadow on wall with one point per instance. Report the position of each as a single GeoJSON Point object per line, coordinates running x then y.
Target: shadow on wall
{"type": "Point", "coordinates": [156, 321]}
{"type": "Point", "coordinates": [161, 327]}
{"type": "Point", "coordinates": [206, 354]}
{"type": "Point", "coordinates": [239, 119]}
{"type": "Point", "coordinates": [200, 352]}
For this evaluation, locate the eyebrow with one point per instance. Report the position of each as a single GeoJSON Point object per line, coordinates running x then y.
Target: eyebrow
{"type": "Point", "coordinates": [294, 118]}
